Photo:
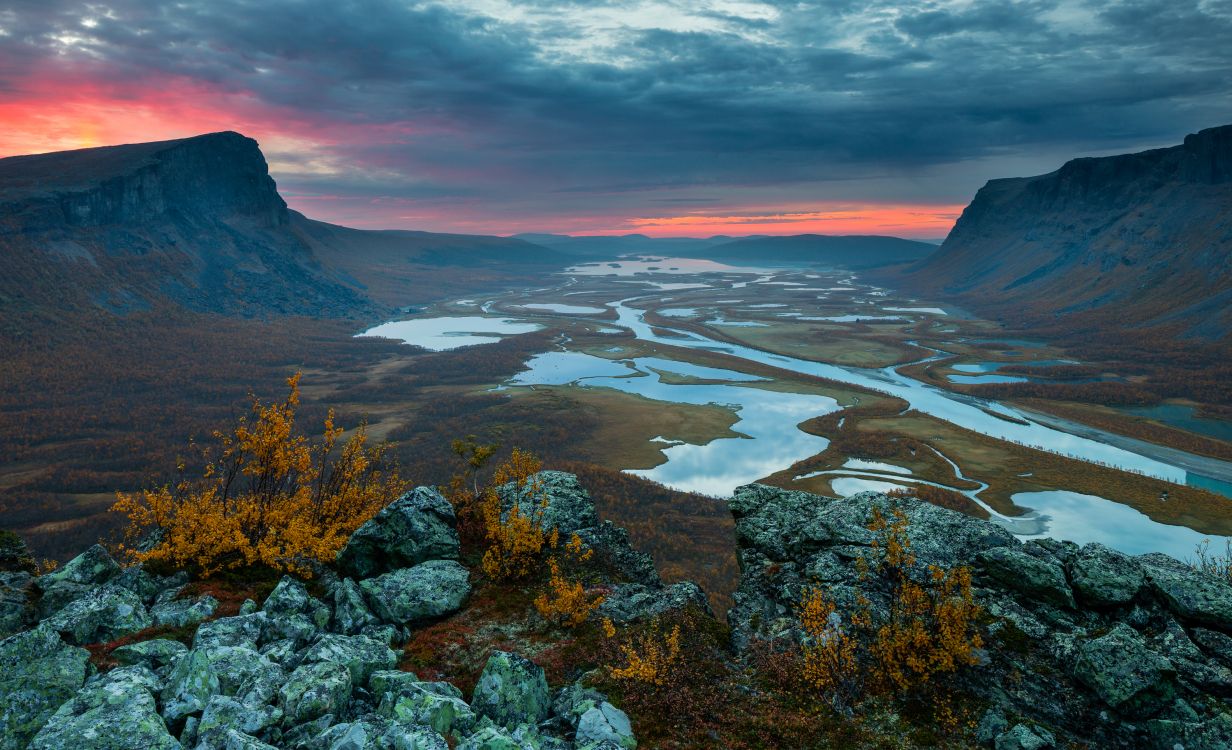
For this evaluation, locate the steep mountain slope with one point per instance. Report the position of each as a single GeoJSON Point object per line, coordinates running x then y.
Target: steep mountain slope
{"type": "Point", "coordinates": [851, 251]}
{"type": "Point", "coordinates": [1138, 240]}
{"type": "Point", "coordinates": [196, 222]}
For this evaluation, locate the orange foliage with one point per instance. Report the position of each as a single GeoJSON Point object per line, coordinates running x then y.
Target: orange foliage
{"type": "Point", "coordinates": [651, 658]}
{"type": "Point", "coordinates": [267, 496]}
{"type": "Point", "coordinates": [565, 602]}
{"type": "Point", "coordinates": [516, 539]}
{"type": "Point", "coordinates": [927, 631]}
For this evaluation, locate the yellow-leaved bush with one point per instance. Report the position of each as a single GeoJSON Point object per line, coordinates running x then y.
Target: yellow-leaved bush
{"type": "Point", "coordinates": [515, 538]}
{"type": "Point", "coordinates": [651, 657]}
{"type": "Point", "coordinates": [565, 602]}
{"type": "Point", "coordinates": [927, 631]}
{"type": "Point", "coordinates": [267, 496]}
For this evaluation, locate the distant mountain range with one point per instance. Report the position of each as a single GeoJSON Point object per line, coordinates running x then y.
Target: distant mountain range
{"type": "Point", "coordinates": [198, 223]}
{"type": "Point", "coordinates": [850, 251]}
{"type": "Point", "coordinates": [1121, 242]}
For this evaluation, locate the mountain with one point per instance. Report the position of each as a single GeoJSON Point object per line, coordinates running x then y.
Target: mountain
{"type": "Point", "coordinates": [1131, 241]}
{"type": "Point", "coordinates": [852, 251]}
{"type": "Point", "coordinates": [626, 244]}
{"type": "Point", "coordinates": [198, 224]}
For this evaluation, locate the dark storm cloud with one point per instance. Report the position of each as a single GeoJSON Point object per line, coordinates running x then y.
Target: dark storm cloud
{"type": "Point", "coordinates": [506, 101]}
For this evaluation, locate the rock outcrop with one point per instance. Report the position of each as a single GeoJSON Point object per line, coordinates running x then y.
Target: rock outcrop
{"type": "Point", "coordinates": [1084, 644]}
{"type": "Point", "coordinates": [304, 669]}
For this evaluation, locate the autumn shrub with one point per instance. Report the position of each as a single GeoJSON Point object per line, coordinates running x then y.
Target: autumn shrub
{"type": "Point", "coordinates": [565, 601]}
{"type": "Point", "coordinates": [1213, 563]}
{"type": "Point", "coordinates": [926, 630]}
{"type": "Point", "coordinates": [516, 538]}
{"type": "Point", "coordinates": [268, 496]}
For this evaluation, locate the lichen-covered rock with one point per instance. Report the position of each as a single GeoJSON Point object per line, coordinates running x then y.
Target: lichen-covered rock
{"type": "Point", "coordinates": [429, 590]}
{"type": "Point", "coordinates": [94, 566]}
{"type": "Point", "coordinates": [360, 654]}
{"type": "Point", "coordinates": [565, 505]}
{"type": "Point", "coordinates": [351, 613]}
{"type": "Point", "coordinates": [236, 740]}
{"type": "Point", "coordinates": [377, 733]}
{"type": "Point", "coordinates": [154, 654]}
{"type": "Point", "coordinates": [522, 738]}
{"type": "Point", "coordinates": [1169, 734]}
{"type": "Point", "coordinates": [105, 614]}
{"type": "Point", "coordinates": [615, 556]}
{"type": "Point", "coordinates": [1193, 596]}
{"type": "Point", "coordinates": [223, 714]}
{"type": "Point", "coordinates": [291, 613]}
{"type": "Point", "coordinates": [633, 602]}
{"type": "Point", "coordinates": [415, 528]}
{"type": "Point", "coordinates": [512, 691]}
{"type": "Point", "coordinates": [38, 673]}
{"type": "Point", "coordinates": [605, 723]}
{"type": "Point", "coordinates": [1103, 577]}
{"type": "Point", "coordinates": [241, 630]}
{"type": "Point", "coordinates": [109, 715]}
{"type": "Point", "coordinates": [438, 705]}
{"type": "Point", "coordinates": [189, 686]}
{"type": "Point", "coordinates": [1126, 674]}
{"type": "Point", "coordinates": [314, 690]}
{"type": "Point", "coordinates": [241, 670]}
{"type": "Point", "coordinates": [1023, 737]}
{"type": "Point", "coordinates": [179, 613]}
{"type": "Point", "coordinates": [1039, 576]}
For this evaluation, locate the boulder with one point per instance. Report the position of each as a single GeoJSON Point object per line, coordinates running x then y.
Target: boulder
{"type": "Point", "coordinates": [189, 686]}
{"type": "Point", "coordinates": [236, 740]}
{"type": "Point", "coordinates": [241, 669]}
{"type": "Point", "coordinates": [1126, 674]}
{"type": "Point", "coordinates": [153, 654]}
{"type": "Point", "coordinates": [634, 602]}
{"type": "Point", "coordinates": [376, 732]}
{"type": "Point", "coordinates": [360, 654]}
{"type": "Point", "coordinates": [351, 614]}
{"type": "Point", "coordinates": [102, 615]}
{"type": "Point", "coordinates": [438, 705]}
{"type": "Point", "coordinates": [605, 723]}
{"type": "Point", "coordinates": [1038, 576]}
{"type": "Point", "coordinates": [291, 613]}
{"type": "Point", "coordinates": [180, 613]}
{"type": "Point", "coordinates": [109, 715]}
{"type": "Point", "coordinates": [616, 557]}
{"type": "Point", "coordinates": [223, 714]}
{"type": "Point", "coordinates": [429, 590]}
{"type": "Point", "coordinates": [1189, 594]}
{"type": "Point", "coordinates": [558, 496]}
{"type": "Point", "coordinates": [415, 528]}
{"type": "Point", "coordinates": [1022, 737]}
{"type": "Point", "coordinates": [93, 567]}
{"type": "Point", "coordinates": [241, 630]}
{"type": "Point", "coordinates": [313, 690]}
{"type": "Point", "coordinates": [512, 691]}
{"type": "Point", "coordinates": [38, 673]}
{"type": "Point", "coordinates": [1103, 577]}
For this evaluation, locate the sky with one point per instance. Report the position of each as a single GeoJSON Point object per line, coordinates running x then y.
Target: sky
{"type": "Point", "coordinates": [663, 117]}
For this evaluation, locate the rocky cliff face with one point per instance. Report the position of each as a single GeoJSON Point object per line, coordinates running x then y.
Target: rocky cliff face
{"type": "Point", "coordinates": [1083, 644]}
{"type": "Point", "coordinates": [196, 222]}
{"type": "Point", "coordinates": [1134, 240]}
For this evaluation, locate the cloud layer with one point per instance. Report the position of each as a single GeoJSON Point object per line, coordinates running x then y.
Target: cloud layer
{"type": "Point", "coordinates": [665, 115]}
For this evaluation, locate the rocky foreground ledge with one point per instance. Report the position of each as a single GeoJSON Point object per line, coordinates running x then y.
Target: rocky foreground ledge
{"type": "Point", "coordinates": [1084, 646]}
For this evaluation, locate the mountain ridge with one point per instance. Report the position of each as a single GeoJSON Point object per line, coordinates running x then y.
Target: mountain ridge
{"type": "Point", "coordinates": [1139, 240]}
